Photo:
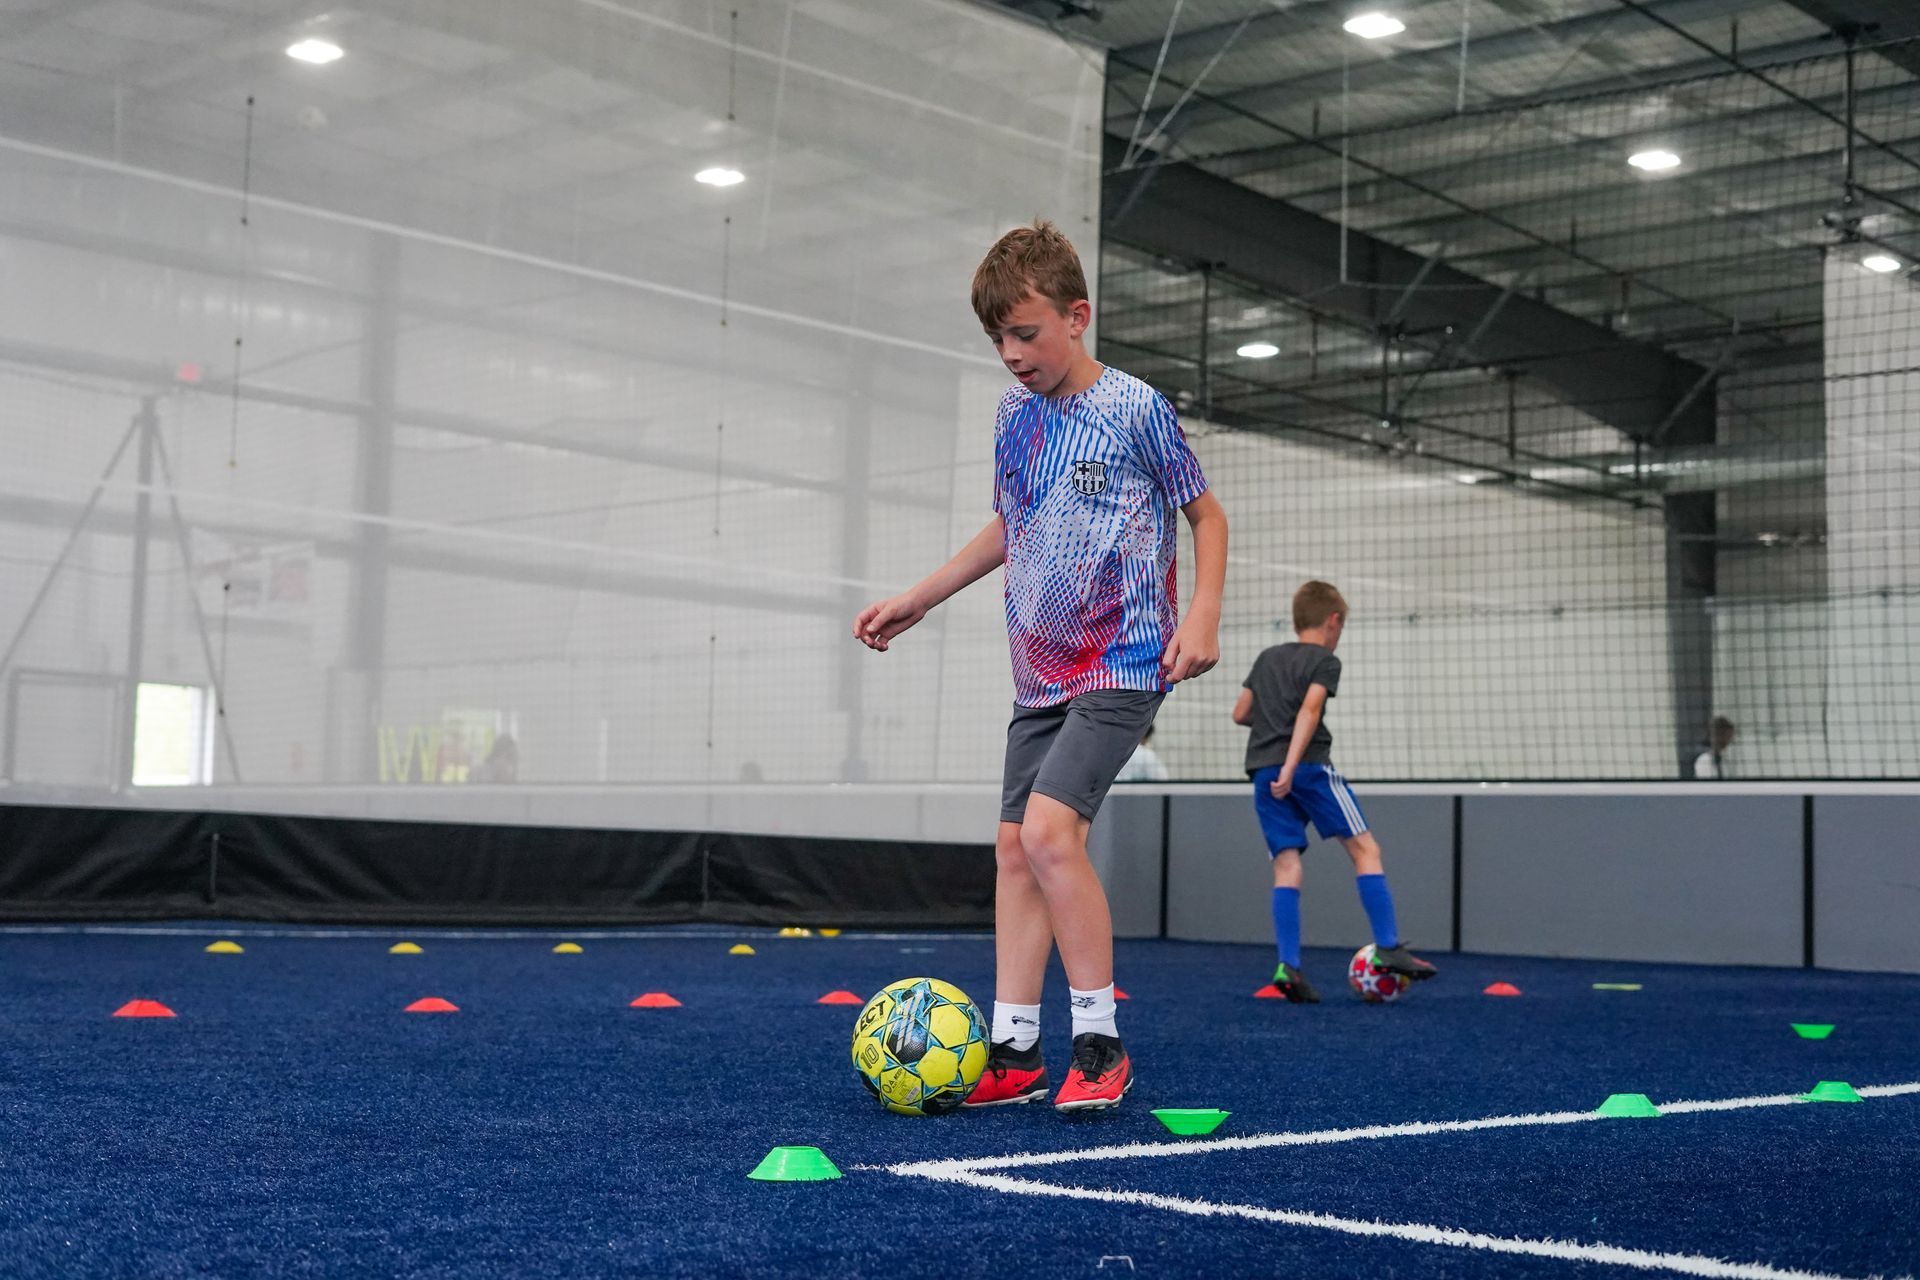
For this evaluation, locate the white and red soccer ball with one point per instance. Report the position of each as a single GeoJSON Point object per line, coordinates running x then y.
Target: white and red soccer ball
{"type": "Point", "coordinates": [1372, 983]}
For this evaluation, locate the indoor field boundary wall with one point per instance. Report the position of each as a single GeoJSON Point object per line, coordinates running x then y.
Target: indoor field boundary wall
{"type": "Point", "coordinates": [1821, 875]}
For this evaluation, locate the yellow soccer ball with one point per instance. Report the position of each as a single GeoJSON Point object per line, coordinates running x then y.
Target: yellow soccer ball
{"type": "Point", "coordinates": [919, 1046]}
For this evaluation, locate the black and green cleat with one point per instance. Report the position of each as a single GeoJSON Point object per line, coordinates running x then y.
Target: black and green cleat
{"type": "Point", "coordinates": [1399, 960]}
{"type": "Point", "coordinates": [1293, 984]}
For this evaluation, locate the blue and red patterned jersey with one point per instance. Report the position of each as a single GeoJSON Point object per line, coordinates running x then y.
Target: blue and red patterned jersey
{"type": "Point", "coordinates": [1088, 486]}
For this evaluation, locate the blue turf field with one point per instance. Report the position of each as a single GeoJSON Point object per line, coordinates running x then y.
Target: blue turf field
{"type": "Point", "coordinates": [293, 1121]}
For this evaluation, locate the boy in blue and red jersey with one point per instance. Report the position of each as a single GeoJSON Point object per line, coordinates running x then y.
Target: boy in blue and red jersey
{"type": "Point", "coordinates": [1089, 466]}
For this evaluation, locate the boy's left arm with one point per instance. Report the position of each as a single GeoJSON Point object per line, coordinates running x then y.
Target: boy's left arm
{"type": "Point", "coordinates": [1195, 647]}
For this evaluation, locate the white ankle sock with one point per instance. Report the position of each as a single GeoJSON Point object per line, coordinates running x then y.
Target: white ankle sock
{"type": "Point", "coordinates": [1019, 1023]}
{"type": "Point", "coordinates": [1093, 1011]}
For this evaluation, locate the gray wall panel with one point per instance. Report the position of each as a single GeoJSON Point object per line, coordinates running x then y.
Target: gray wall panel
{"type": "Point", "coordinates": [1694, 879]}
{"type": "Point", "coordinates": [1218, 882]}
{"type": "Point", "coordinates": [1416, 848]}
{"type": "Point", "coordinates": [1220, 879]}
{"type": "Point", "coordinates": [1124, 845]}
{"type": "Point", "coordinates": [1866, 882]}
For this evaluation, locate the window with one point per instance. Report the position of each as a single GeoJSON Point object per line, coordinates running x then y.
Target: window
{"type": "Point", "coordinates": [172, 736]}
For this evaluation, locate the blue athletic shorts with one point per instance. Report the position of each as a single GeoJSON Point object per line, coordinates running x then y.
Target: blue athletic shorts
{"type": "Point", "coordinates": [1319, 795]}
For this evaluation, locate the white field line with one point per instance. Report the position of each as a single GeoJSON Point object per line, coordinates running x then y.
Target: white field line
{"type": "Point", "coordinates": [1323, 1137]}
{"type": "Point", "coordinates": [1418, 1233]}
{"type": "Point", "coordinates": [971, 1173]}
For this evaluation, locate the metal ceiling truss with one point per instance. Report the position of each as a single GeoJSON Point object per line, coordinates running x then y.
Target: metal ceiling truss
{"type": "Point", "coordinates": [1187, 214]}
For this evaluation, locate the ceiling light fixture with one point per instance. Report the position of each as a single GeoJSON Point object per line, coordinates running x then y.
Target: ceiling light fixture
{"type": "Point", "coordinates": [1373, 26]}
{"type": "Point", "coordinates": [1881, 262]}
{"type": "Point", "coordinates": [720, 177]}
{"type": "Point", "coordinates": [1654, 161]}
{"type": "Point", "coordinates": [318, 52]}
{"type": "Point", "coordinates": [1258, 351]}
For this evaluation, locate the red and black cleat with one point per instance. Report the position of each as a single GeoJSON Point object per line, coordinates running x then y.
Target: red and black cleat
{"type": "Point", "coordinates": [1100, 1076]}
{"type": "Point", "coordinates": [1012, 1075]}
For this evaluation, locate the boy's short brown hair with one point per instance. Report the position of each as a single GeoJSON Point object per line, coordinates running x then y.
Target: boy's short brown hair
{"type": "Point", "coordinates": [1315, 602]}
{"type": "Point", "coordinates": [1035, 259]}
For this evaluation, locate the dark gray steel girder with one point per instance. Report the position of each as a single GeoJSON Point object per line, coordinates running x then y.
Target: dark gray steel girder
{"type": "Point", "coordinates": [1185, 213]}
{"type": "Point", "coordinates": [1878, 21]}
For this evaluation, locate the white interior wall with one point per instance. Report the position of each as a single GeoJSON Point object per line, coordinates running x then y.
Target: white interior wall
{"type": "Point", "coordinates": [1495, 634]}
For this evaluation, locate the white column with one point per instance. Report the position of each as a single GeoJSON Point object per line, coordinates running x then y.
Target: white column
{"type": "Point", "coordinates": [1873, 519]}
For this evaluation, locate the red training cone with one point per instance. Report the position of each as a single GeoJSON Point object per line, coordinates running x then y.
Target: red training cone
{"type": "Point", "coordinates": [655, 1000]}
{"type": "Point", "coordinates": [433, 1004]}
{"type": "Point", "coordinates": [1501, 989]}
{"type": "Point", "coordinates": [1269, 992]}
{"type": "Point", "coordinates": [839, 997]}
{"type": "Point", "coordinates": [1118, 994]}
{"type": "Point", "coordinates": [143, 1009]}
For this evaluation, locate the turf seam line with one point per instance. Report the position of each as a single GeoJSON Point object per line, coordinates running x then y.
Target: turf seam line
{"type": "Point", "coordinates": [1321, 1137]}
{"type": "Point", "coordinates": [1414, 1232]}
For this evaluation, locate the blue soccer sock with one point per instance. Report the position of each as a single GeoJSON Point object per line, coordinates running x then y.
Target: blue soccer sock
{"type": "Point", "coordinates": [1286, 925]}
{"type": "Point", "coordinates": [1378, 900]}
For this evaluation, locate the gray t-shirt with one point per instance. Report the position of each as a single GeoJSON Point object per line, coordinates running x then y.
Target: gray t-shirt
{"type": "Point", "coordinates": [1279, 680]}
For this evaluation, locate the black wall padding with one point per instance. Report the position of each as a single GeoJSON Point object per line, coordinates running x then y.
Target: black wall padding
{"type": "Point", "coordinates": [77, 863]}
{"type": "Point", "coordinates": [100, 863]}
{"type": "Point", "coordinates": [777, 879]}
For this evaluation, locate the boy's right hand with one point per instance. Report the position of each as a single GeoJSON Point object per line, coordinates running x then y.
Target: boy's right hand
{"type": "Point", "coordinates": [881, 622]}
{"type": "Point", "coordinates": [1282, 784]}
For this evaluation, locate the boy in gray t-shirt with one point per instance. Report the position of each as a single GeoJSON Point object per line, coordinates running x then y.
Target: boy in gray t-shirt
{"type": "Point", "coordinates": [1289, 758]}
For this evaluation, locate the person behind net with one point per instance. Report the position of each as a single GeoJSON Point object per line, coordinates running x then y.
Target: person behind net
{"type": "Point", "coordinates": [1290, 759]}
{"type": "Point", "coordinates": [1089, 467]}
{"type": "Point", "coordinates": [1145, 764]}
{"type": "Point", "coordinates": [1711, 763]}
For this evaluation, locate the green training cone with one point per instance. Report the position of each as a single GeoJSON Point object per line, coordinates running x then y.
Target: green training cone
{"type": "Point", "coordinates": [1832, 1091]}
{"type": "Point", "coordinates": [1190, 1122]}
{"type": "Point", "coordinates": [795, 1164]}
{"type": "Point", "coordinates": [1813, 1030]}
{"type": "Point", "coordinates": [1627, 1104]}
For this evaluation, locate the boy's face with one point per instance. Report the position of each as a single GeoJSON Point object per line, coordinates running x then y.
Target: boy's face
{"type": "Point", "coordinates": [1334, 625]}
{"type": "Point", "coordinates": [1038, 344]}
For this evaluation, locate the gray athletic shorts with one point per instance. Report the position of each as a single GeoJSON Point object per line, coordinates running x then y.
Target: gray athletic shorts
{"type": "Point", "coordinates": [1073, 751]}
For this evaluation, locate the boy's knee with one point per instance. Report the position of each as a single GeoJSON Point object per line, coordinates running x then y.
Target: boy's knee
{"type": "Point", "coordinates": [1286, 869]}
{"type": "Point", "coordinates": [1009, 853]}
{"type": "Point", "coordinates": [1363, 849]}
{"type": "Point", "coordinates": [1046, 844]}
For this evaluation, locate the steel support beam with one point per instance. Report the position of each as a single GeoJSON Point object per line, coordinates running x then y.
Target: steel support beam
{"type": "Point", "coordinates": [1692, 580]}
{"type": "Point", "coordinates": [854, 561]}
{"type": "Point", "coordinates": [373, 494]}
{"type": "Point", "coordinates": [1877, 21]}
{"type": "Point", "coordinates": [482, 568]}
{"type": "Point", "coordinates": [1434, 63]}
{"type": "Point", "coordinates": [1190, 215]}
{"type": "Point", "coordinates": [148, 425]}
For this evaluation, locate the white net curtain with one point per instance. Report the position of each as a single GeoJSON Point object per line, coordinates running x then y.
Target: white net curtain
{"type": "Point", "coordinates": [418, 418]}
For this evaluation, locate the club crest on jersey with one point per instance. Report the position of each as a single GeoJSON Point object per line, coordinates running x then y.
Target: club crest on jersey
{"type": "Point", "coordinates": [1090, 477]}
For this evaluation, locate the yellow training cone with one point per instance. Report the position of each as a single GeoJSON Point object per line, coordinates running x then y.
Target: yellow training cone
{"type": "Point", "coordinates": [568, 949]}
{"type": "Point", "coordinates": [794, 931]}
{"type": "Point", "coordinates": [405, 949]}
{"type": "Point", "coordinates": [225, 948]}
{"type": "Point", "coordinates": [740, 949]}
{"type": "Point", "coordinates": [829, 933]}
